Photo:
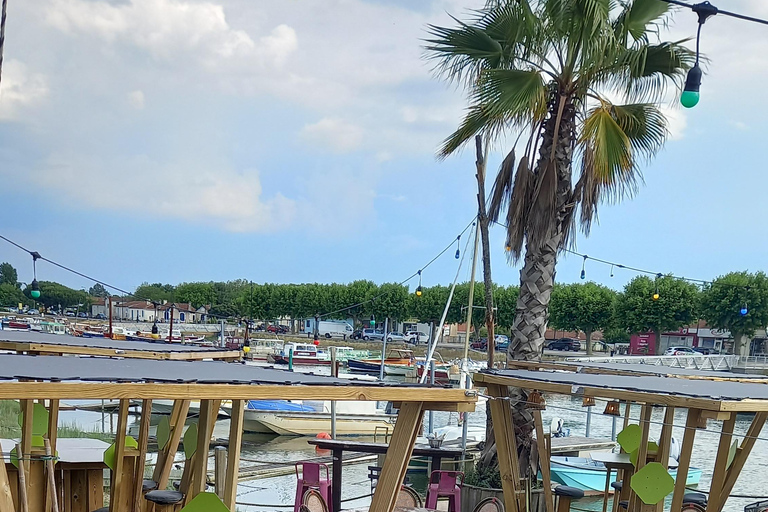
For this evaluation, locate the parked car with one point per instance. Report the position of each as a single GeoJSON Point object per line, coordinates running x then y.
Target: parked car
{"type": "Point", "coordinates": [416, 337]}
{"type": "Point", "coordinates": [372, 334]}
{"type": "Point", "coordinates": [33, 312]}
{"type": "Point", "coordinates": [680, 351]}
{"type": "Point", "coordinates": [357, 334]}
{"type": "Point", "coordinates": [502, 342]}
{"type": "Point", "coordinates": [100, 316]}
{"type": "Point", "coordinates": [82, 315]}
{"type": "Point", "coordinates": [705, 350]}
{"type": "Point", "coordinates": [565, 344]}
{"type": "Point", "coordinates": [277, 329]}
{"type": "Point", "coordinates": [395, 336]}
{"type": "Point", "coordinates": [480, 344]}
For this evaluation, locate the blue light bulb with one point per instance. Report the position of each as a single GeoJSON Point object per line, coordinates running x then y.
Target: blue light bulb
{"type": "Point", "coordinates": [744, 311]}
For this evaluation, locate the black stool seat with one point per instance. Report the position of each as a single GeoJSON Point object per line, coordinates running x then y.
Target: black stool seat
{"type": "Point", "coordinates": [148, 485]}
{"type": "Point", "coordinates": [617, 485]}
{"type": "Point", "coordinates": [164, 497]}
{"type": "Point", "coordinates": [176, 484]}
{"type": "Point", "coordinates": [624, 504]}
{"type": "Point", "coordinates": [571, 492]}
{"type": "Point", "coordinates": [695, 497]}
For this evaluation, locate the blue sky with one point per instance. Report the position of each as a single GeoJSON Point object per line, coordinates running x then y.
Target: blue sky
{"type": "Point", "coordinates": [183, 140]}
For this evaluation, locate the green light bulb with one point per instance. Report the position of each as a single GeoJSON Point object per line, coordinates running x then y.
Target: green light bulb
{"type": "Point", "coordinates": [689, 99]}
{"type": "Point", "coordinates": [35, 294]}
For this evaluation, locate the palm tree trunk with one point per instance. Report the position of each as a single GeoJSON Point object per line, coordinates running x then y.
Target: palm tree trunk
{"type": "Point", "coordinates": [537, 276]}
{"type": "Point", "coordinates": [482, 218]}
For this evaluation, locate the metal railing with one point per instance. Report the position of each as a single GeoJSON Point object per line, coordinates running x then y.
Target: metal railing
{"type": "Point", "coordinates": [718, 362]}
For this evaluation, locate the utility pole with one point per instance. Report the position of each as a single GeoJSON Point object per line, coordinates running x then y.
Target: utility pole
{"type": "Point", "coordinates": [170, 329]}
{"type": "Point", "coordinates": [109, 305]}
{"type": "Point", "coordinates": [470, 307]}
{"type": "Point", "coordinates": [482, 221]}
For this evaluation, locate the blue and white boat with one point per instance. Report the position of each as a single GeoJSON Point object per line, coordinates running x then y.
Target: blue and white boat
{"type": "Point", "coordinates": [589, 475]}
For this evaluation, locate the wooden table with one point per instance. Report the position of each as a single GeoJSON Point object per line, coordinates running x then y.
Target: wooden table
{"type": "Point", "coordinates": [79, 474]}
{"type": "Point", "coordinates": [619, 462]}
{"type": "Point", "coordinates": [338, 447]}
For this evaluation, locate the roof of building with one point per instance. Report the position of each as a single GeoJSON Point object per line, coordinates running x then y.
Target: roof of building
{"type": "Point", "coordinates": [106, 343]}
{"type": "Point", "coordinates": [702, 394]}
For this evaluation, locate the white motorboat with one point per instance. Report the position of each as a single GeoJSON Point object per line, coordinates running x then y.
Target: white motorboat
{"type": "Point", "coordinates": [305, 418]}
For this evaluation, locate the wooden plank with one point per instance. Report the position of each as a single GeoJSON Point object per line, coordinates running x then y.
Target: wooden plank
{"type": "Point", "coordinates": [665, 440]}
{"type": "Point", "coordinates": [506, 446]}
{"type": "Point", "coordinates": [233, 453]}
{"type": "Point", "coordinates": [177, 428]}
{"type": "Point", "coordinates": [398, 456]}
{"type": "Point", "coordinates": [80, 492]}
{"type": "Point", "coordinates": [53, 423]}
{"type": "Point", "coordinates": [6, 497]}
{"type": "Point", "coordinates": [742, 453]}
{"type": "Point", "coordinates": [544, 461]}
{"type": "Point", "coordinates": [716, 487]}
{"type": "Point", "coordinates": [51, 498]}
{"type": "Point", "coordinates": [27, 411]}
{"type": "Point", "coordinates": [200, 459]}
{"type": "Point", "coordinates": [36, 484]}
{"type": "Point", "coordinates": [117, 472]}
{"type": "Point", "coordinates": [57, 349]}
{"type": "Point", "coordinates": [138, 494]}
{"type": "Point", "coordinates": [684, 462]}
{"type": "Point", "coordinates": [95, 483]}
{"type": "Point", "coordinates": [642, 453]}
{"type": "Point", "coordinates": [169, 391]}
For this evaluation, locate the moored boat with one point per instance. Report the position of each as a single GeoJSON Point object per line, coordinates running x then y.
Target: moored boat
{"type": "Point", "coordinates": [15, 325]}
{"type": "Point", "coordinates": [302, 418]}
{"type": "Point", "coordinates": [397, 362]}
{"type": "Point", "coordinates": [589, 475]}
{"type": "Point", "coordinates": [298, 353]}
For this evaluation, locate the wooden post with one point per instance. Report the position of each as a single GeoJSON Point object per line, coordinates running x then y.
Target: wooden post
{"type": "Point", "coordinates": [742, 452]}
{"type": "Point", "coordinates": [53, 423]}
{"type": "Point", "coordinates": [506, 446]}
{"type": "Point", "coordinates": [23, 500]}
{"type": "Point", "coordinates": [716, 496]}
{"type": "Point", "coordinates": [627, 412]}
{"type": "Point", "coordinates": [544, 461]}
{"type": "Point", "coordinates": [6, 496]}
{"type": "Point", "coordinates": [117, 472]}
{"type": "Point", "coordinates": [684, 463]}
{"type": "Point", "coordinates": [163, 469]}
{"type": "Point", "coordinates": [233, 453]}
{"type": "Point", "coordinates": [138, 482]}
{"type": "Point", "coordinates": [219, 469]}
{"type": "Point", "coordinates": [642, 453]}
{"type": "Point", "coordinates": [200, 459]}
{"type": "Point", "coordinates": [54, 503]}
{"type": "Point", "coordinates": [398, 456]}
{"type": "Point", "coordinates": [27, 411]}
{"type": "Point", "coordinates": [665, 444]}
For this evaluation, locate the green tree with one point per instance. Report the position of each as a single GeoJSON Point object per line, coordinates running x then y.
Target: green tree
{"type": "Point", "coordinates": [197, 294]}
{"type": "Point", "coordinates": [157, 292]}
{"type": "Point", "coordinates": [638, 311]}
{"type": "Point", "coordinates": [391, 303]}
{"type": "Point", "coordinates": [586, 307]}
{"type": "Point", "coordinates": [727, 297]}
{"type": "Point", "coordinates": [54, 294]}
{"type": "Point", "coordinates": [8, 274]}
{"type": "Point", "coordinates": [11, 296]}
{"type": "Point", "coordinates": [548, 70]}
{"type": "Point", "coordinates": [98, 290]}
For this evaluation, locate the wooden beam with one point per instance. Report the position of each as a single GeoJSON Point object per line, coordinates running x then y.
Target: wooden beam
{"type": "Point", "coordinates": [172, 391]}
{"type": "Point", "coordinates": [200, 459]}
{"type": "Point", "coordinates": [117, 472]}
{"type": "Point", "coordinates": [684, 462]}
{"type": "Point", "coordinates": [544, 460]}
{"type": "Point", "coordinates": [716, 497]}
{"type": "Point", "coordinates": [56, 349]}
{"type": "Point", "coordinates": [6, 496]}
{"type": "Point", "coordinates": [506, 446]}
{"type": "Point", "coordinates": [665, 440]}
{"type": "Point", "coordinates": [27, 411]}
{"type": "Point", "coordinates": [177, 428]}
{"type": "Point", "coordinates": [146, 414]}
{"type": "Point", "coordinates": [742, 453]}
{"type": "Point", "coordinates": [233, 453]}
{"type": "Point", "coordinates": [446, 407]}
{"type": "Point", "coordinates": [635, 504]}
{"type": "Point", "coordinates": [398, 455]}
{"type": "Point", "coordinates": [53, 423]}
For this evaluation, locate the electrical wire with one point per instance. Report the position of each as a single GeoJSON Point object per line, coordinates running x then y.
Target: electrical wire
{"type": "Point", "coordinates": [718, 11]}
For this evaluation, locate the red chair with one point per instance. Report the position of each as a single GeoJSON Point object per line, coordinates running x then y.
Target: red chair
{"type": "Point", "coordinates": [311, 478]}
{"type": "Point", "coordinates": [445, 484]}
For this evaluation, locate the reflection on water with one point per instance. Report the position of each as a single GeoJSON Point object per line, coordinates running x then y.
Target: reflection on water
{"type": "Point", "coordinates": [258, 495]}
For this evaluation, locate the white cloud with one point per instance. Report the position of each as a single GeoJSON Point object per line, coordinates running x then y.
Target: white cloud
{"type": "Point", "coordinates": [20, 89]}
{"type": "Point", "coordinates": [189, 191]}
{"type": "Point", "coordinates": [336, 134]}
{"type": "Point", "coordinates": [136, 99]}
{"type": "Point", "coordinates": [677, 122]}
{"type": "Point", "coordinates": [739, 125]}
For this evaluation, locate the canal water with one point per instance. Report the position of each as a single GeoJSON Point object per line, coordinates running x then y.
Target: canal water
{"type": "Point", "coordinates": [277, 493]}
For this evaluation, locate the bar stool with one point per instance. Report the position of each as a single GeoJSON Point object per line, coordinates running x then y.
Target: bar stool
{"type": "Point", "coordinates": [311, 478]}
{"type": "Point", "coordinates": [565, 495]}
{"type": "Point", "coordinates": [445, 484]}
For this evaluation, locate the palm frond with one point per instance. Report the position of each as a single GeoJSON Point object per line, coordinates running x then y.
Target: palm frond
{"type": "Point", "coordinates": [502, 187]}
{"type": "Point", "coordinates": [639, 17]}
{"type": "Point", "coordinates": [478, 119]}
{"type": "Point", "coordinates": [520, 94]}
{"type": "Point", "coordinates": [645, 127]}
{"type": "Point", "coordinates": [542, 213]}
{"type": "Point", "coordinates": [518, 208]}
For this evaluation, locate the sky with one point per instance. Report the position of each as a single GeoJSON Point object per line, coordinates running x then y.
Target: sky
{"type": "Point", "coordinates": [185, 140]}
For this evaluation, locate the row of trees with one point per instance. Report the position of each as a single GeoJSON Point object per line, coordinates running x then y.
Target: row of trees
{"type": "Point", "coordinates": [737, 302]}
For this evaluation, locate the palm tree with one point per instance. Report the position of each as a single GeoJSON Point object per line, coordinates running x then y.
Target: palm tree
{"type": "Point", "coordinates": [577, 83]}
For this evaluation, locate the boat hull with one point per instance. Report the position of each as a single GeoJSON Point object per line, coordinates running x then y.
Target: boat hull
{"type": "Point", "coordinates": [311, 423]}
{"type": "Point", "coordinates": [279, 359]}
{"type": "Point", "coordinates": [589, 476]}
